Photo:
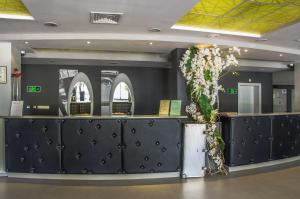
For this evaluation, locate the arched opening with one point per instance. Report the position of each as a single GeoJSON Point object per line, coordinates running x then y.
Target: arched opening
{"type": "Point", "coordinates": [122, 98]}
{"type": "Point", "coordinates": [80, 96]}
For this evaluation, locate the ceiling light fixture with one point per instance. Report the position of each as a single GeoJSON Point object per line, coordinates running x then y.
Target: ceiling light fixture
{"type": "Point", "coordinates": [150, 43]}
{"type": "Point", "coordinates": [180, 27]}
{"type": "Point", "coordinates": [88, 42]}
{"type": "Point", "coordinates": [26, 42]}
{"type": "Point", "coordinates": [262, 39]}
{"type": "Point", "coordinates": [50, 24]}
{"type": "Point", "coordinates": [154, 30]}
{"type": "Point", "coordinates": [280, 55]}
{"type": "Point", "coordinates": [245, 50]}
{"type": "Point", "coordinates": [214, 35]}
{"type": "Point", "coordinates": [113, 63]}
{"type": "Point", "coordinates": [10, 16]}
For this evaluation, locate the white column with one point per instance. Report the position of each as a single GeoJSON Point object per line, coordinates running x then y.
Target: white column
{"type": "Point", "coordinates": [5, 89]}
{"type": "Point", "coordinates": [297, 87]}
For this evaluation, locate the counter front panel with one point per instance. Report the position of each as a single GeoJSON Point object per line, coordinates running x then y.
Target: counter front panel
{"type": "Point", "coordinates": [93, 145]}
{"type": "Point", "coordinates": [32, 145]}
{"type": "Point", "coordinates": [261, 138]}
{"type": "Point", "coordinates": [152, 146]}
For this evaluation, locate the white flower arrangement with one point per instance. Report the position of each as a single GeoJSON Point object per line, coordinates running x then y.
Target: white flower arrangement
{"type": "Point", "coordinates": [202, 69]}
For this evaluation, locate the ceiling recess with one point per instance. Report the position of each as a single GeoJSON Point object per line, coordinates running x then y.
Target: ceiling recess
{"type": "Point", "coordinates": [14, 9]}
{"type": "Point", "coordinates": [240, 17]}
{"type": "Point", "coordinates": [105, 18]}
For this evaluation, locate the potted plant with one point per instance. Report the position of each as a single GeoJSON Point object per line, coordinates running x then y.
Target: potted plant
{"type": "Point", "coordinates": [202, 69]}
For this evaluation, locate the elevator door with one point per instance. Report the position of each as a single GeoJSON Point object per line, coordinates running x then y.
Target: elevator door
{"type": "Point", "coordinates": [249, 98]}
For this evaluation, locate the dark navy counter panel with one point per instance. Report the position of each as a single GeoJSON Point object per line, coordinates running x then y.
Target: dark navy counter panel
{"type": "Point", "coordinates": [260, 138]}
{"type": "Point", "coordinates": [93, 145]}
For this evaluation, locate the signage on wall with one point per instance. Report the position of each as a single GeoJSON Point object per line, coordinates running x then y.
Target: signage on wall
{"type": "Point", "coordinates": [232, 91]}
{"type": "Point", "coordinates": [34, 89]}
{"type": "Point", "coordinates": [3, 74]}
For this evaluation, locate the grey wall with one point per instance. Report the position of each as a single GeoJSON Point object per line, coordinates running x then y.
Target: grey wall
{"type": "Point", "coordinates": [283, 78]}
{"type": "Point", "coordinates": [229, 103]}
{"type": "Point", "coordinates": [150, 86]}
{"type": "Point", "coordinates": [177, 86]}
{"type": "Point", "coordinates": [297, 87]}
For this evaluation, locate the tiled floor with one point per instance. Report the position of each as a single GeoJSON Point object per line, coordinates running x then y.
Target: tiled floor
{"type": "Point", "coordinates": [283, 183]}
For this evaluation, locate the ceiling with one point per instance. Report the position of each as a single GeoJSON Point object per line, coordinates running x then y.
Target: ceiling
{"type": "Point", "coordinates": [250, 17]}
{"type": "Point", "coordinates": [132, 34]}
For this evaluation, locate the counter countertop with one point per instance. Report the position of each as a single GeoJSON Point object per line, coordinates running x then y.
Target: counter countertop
{"type": "Point", "coordinates": [97, 117]}
{"type": "Point", "coordinates": [256, 115]}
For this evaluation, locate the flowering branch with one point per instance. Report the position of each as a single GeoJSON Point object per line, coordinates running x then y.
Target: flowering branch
{"type": "Point", "coordinates": [202, 68]}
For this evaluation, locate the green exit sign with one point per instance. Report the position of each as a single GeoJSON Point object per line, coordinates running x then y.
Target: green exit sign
{"type": "Point", "coordinates": [232, 91]}
{"type": "Point", "coordinates": [34, 89]}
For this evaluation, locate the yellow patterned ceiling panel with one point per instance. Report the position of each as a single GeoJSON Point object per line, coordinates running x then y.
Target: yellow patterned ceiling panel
{"type": "Point", "coordinates": [248, 16]}
{"type": "Point", "coordinates": [13, 7]}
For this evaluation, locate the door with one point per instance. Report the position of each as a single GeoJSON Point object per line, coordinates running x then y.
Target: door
{"type": "Point", "coordinates": [249, 98]}
{"type": "Point", "coordinates": [279, 100]}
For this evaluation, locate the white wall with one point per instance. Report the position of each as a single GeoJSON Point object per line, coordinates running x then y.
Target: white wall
{"type": "Point", "coordinates": [5, 89]}
{"type": "Point", "coordinates": [283, 78]}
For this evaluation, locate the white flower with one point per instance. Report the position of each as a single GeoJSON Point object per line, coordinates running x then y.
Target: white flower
{"type": "Point", "coordinates": [213, 61]}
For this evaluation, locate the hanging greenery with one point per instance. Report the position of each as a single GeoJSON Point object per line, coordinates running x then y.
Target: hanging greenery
{"type": "Point", "coordinates": [202, 69]}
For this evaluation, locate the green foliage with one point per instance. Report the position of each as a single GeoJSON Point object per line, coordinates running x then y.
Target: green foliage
{"type": "Point", "coordinates": [194, 51]}
{"type": "Point", "coordinates": [221, 143]}
{"type": "Point", "coordinates": [189, 90]}
{"type": "Point", "coordinates": [205, 107]}
{"type": "Point", "coordinates": [207, 75]}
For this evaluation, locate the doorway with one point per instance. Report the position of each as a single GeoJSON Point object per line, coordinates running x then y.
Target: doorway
{"type": "Point", "coordinates": [249, 98]}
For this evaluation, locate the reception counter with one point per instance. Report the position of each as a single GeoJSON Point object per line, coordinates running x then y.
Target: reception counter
{"type": "Point", "coordinates": [251, 138]}
{"type": "Point", "coordinates": [93, 145]}
{"type": "Point", "coordinates": [139, 145]}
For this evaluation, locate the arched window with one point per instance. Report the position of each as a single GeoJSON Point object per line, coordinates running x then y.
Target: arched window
{"type": "Point", "coordinates": [80, 96]}
{"type": "Point", "coordinates": [81, 93]}
{"type": "Point", "coordinates": [122, 93]}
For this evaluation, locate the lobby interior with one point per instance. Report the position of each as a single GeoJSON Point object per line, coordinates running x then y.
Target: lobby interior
{"type": "Point", "coordinates": [84, 87]}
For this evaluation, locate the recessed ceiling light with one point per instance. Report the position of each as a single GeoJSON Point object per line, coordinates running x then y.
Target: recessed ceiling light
{"type": "Point", "coordinates": [280, 55]}
{"type": "Point", "coordinates": [262, 39]}
{"type": "Point", "coordinates": [23, 52]}
{"type": "Point", "coordinates": [213, 35]}
{"type": "Point", "coordinates": [245, 50]}
{"type": "Point", "coordinates": [151, 43]}
{"type": "Point", "coordinates": [88, 42]}
{"type": "Point", "coordinates": [26, 42]}
{"type": "Point", "coordinates": [113, 63]}
{"type": "Point", "coordinates": [50, 24]}
{"type": "Point", "coordinates": [154, 30]}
